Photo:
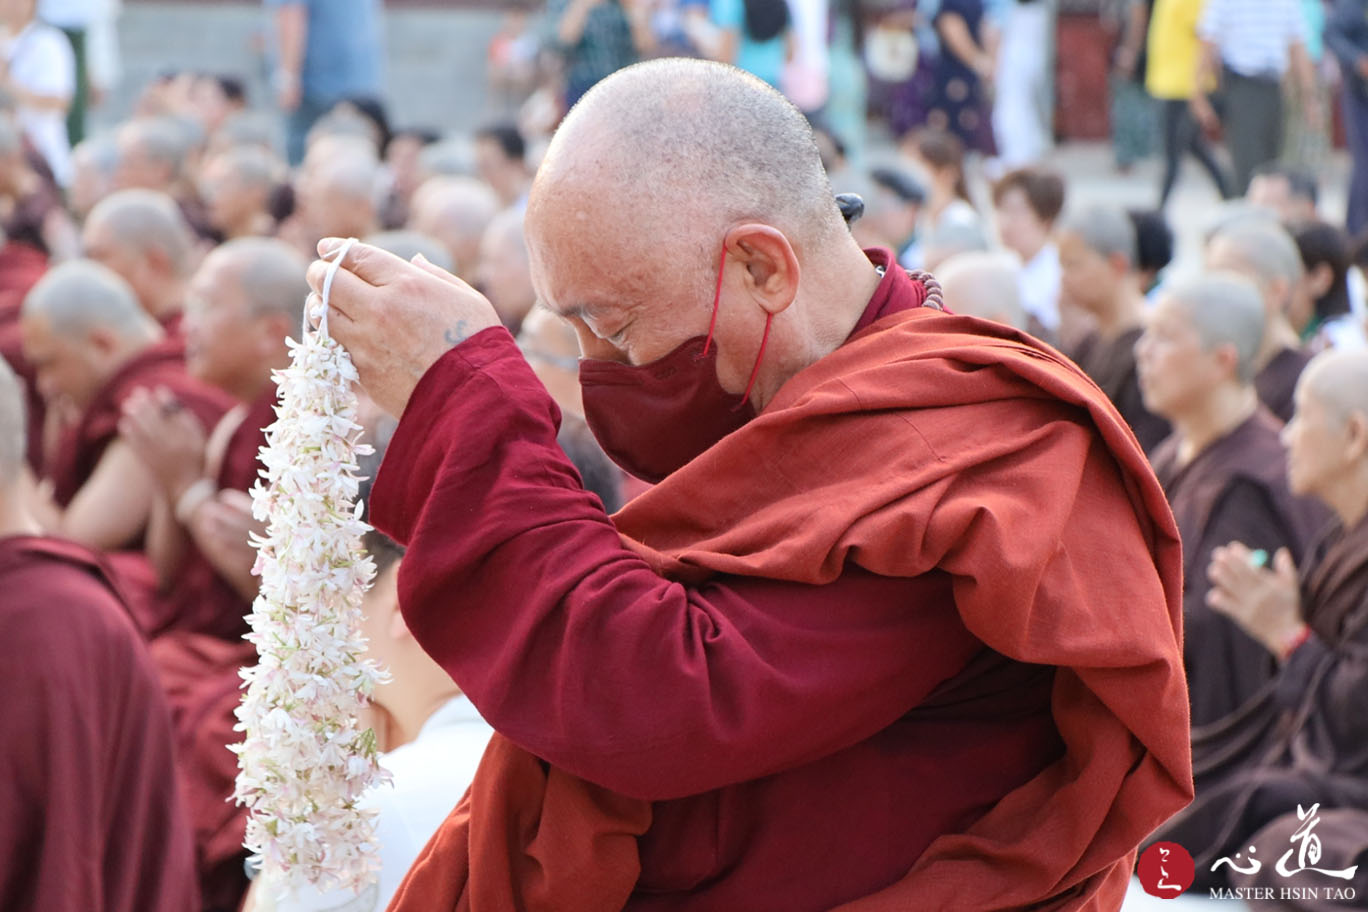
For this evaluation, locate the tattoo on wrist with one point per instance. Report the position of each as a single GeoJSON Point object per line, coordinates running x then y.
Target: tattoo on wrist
{"type": "Point", "coordinates": [456, 336]}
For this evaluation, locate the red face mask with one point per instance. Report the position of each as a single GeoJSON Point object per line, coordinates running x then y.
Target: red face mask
{"type": "Point", "coordinates": [653, 418]}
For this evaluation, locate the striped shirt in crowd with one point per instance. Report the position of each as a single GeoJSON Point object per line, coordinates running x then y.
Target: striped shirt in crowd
{"type": "Point", "coordinates": [1254, 36]}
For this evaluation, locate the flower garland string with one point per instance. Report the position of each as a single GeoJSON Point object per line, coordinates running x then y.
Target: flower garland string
{"type": "Point", "coordinates": [305, 760]}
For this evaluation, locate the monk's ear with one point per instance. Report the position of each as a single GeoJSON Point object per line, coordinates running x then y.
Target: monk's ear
{"type": "Point", "coordinates": [1356, 436]}
{"type": "Point", "coordinates": [102, 341]}
{"type": "Point", "coordinates": [771, 265]}
{"type": "Point", "coordinates": [1228, 357]}
{"type": "Point", "coordinates": [1120, 264]}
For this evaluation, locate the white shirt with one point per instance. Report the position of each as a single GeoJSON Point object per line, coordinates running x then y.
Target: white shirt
{"type": "Point", "coordinates": [431, 773]}
{"type": "Point", "coordinates": [40, 61]}
{"type": "Point", "coordinates": [73, 14]}
{"type": "Point", "coordinates": [1040, 277]}
{"type": "Point", "coordinates": [1254, 36]}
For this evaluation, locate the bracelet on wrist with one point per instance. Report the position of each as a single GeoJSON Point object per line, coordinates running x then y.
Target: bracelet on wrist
{"type": "Point", "coordinates": [192, 498]}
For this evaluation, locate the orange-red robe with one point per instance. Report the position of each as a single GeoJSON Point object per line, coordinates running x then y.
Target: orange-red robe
{"type": "Point", "coordinates": [908, 639]}
{"type": "Point", "coordinates": [90, 816]}
{"type": "Point", "coordinates": [21, 266]}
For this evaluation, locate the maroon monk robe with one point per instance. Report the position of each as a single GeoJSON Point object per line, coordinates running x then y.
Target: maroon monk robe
{"type": "Point", "coordinates": [1111, 365]}
{"type": "Point", "coordinates": [160, 364]}
{"type": "Point", "coordinates": [90, 816]}
{"type": "Point", "coordinates": [199, 599]}
{"type": "Point", "coordinates": [1304, 738]}
{"type": "Point", "coordinates": [21, 266]}
{"type": "Point", "coordinates": [1277, 382]}
{"type": "Point", "coordinates": [200, 676]}
{"type": "Point", "coordinates": [790, 740]}
{"type": "Point", "coordinates": [1234, 490]}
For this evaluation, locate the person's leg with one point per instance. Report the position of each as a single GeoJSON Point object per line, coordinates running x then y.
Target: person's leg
{"type": "Point", "coordinates": [1253, 125]}
{"type": "Point", "coordinates": [80, 99]}
{"type": "Point", "coordinates": [1176, 139]}
{"type": "Point", "coordinates": [1355, 107]}
{"type": "Point", "coordinates": [298, 123]}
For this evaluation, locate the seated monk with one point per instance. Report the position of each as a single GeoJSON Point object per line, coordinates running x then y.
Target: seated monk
{"type": "Point", "coordinates": [242, 303]}
{"type": "Point", "coordinates": [1222, 468]}
{"type": "Point", "coordinates": [143, 237]}
{"type": "Point", "coordinates": [898, 626]}
{"type": "Point", "coordinates": [92, 818]}
{"type": "Point", "coordinates": [91, 346]}
{"type": "Point", "coordinates": [1264, 252]}
{"type": "Point", "coordinates": [1098, 252]}
{"type": "Point", "coordinates": [1304, 739]}
{"type": "Point", "coordinates": [20, 267]}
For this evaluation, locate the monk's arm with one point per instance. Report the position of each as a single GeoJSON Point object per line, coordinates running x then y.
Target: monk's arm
{"type": "Point", "coordinates": [166, 543]}
{"type": "Point", "coordinates": [570, 645]}
{"type": "Point", "coordinates": [112, 508]}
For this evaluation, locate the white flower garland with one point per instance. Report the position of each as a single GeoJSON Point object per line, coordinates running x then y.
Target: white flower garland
{"type": "Point", "coordinates": [305, 761]}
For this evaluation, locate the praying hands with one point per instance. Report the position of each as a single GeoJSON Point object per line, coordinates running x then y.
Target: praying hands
{"type": "Point", "coordinates": [1265, 602]}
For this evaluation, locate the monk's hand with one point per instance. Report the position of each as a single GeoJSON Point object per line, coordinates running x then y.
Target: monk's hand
{"type": "Point", "coordinates": [226, 522]}
{"type": "Point", "coordinates": [396, 318]}
{"type": "Point", "coordinates": [1266, 603]}
{"type": "Point", "coordinates": [166, 437]}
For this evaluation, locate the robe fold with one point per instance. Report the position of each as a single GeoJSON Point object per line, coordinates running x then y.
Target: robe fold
{"type": "Point", "coordinates": [1234, 490]}
{"type": "Point", "coordinates": [199, 674]}
{"type": "Point", "coordinates": [90, 815]}
{"type": "Point", "coordinates": [908, 639]}
{"type": "Point", "coordinates": [1277, 382]}
{"type": "Point", "coordinates": [160, 364]}
{"type": "Point", "coordinates": [199, 599]}
{"type": "Point", "coordinates": [1111, 365]}
{"type": "Point", "coordinates": [1303, 739]}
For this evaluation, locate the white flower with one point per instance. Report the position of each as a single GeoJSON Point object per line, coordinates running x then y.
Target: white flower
{"type": "Point", "coordinates": [304, 760]}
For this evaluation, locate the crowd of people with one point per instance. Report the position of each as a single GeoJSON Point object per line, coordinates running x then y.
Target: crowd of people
{"type": "Point", "coordinates": [150, 274]}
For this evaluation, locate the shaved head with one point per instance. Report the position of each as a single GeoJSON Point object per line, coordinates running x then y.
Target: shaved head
{"type": "Point", "coordinates": [984, 285]}
{"type": "Point", "coordinates": [80, 296]}
{"type": "Point", "coordinates": [456, 211]}
{"type": "Point", "coordinates": [689, 143]}
{"type": "Point", "coordinates": [1339, 381]}
{"type": "Point", "coordinates": [271, 273]}
{"type": "Point", "coordinates": [13, 425]}
{"type": "Point", "coordinates": [1258, 247]}
{"type": "Point", "coordinates": [1224, 308]}
{"type": "Point", "coordinates": [143, 221]}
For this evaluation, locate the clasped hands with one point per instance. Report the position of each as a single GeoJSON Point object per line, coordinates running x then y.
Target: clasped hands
{"type": "Point", "coordinates": [1264, 602]}
{"type": "Point", "coordinates": [395, 318]}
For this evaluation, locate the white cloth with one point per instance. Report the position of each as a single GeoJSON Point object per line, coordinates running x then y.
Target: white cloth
{"type": "Point", "coordinates": [1021, 104]}
{"type": "Point", "coordinates": [40, 61]}
{"type": "Point", "coordinates": [1254, 36]}
{"type": "Point", "coordinates": [431, 773]}
{"type": "Point", "coordinates": [1040, 277]}
{"type": "Point", "coordinates": [72, 14]}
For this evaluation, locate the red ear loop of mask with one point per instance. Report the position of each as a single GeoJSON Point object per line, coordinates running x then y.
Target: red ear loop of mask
{"type": "Point", "coordinates": [712, 326]}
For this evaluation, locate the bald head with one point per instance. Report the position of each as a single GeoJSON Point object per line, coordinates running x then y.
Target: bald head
{"type": "Point", "coordinates": [1106, 230]}
{"type": "Point", "coordinates": [141, 222]}
{"type": "Point", "coordinates": [984, 285]}
{"type": "Point", "coordinates": [685, 149]}
{"type": "Point", "coordinates": [1259, 248]}
{"type": "Point", "coordinates": [80, 297]}
{"type": "Point", "coordinates": [1339, 381]}
{"type": "Point", "coordinates": [13, 425]}
{"type": "Point", "coordinates": [271, 274]}
{"type": "Point", "coordinates": [456, 211]}
{"type": "Point", "coordinates": [1224, 309]}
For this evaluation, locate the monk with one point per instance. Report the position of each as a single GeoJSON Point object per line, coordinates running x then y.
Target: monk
{"type": "Point", "coordinates": [91, 347]}
{"type": "Point", "coordinates": [898, 626]}
{"type": "Point", "coordinates": [245, 299]}
{"type": "Point", "coordinates": [503, 273]}
{"type": "Point", "coordinates": [1223, 469]}
{"type": "Point", "coordinates": [143, 237]}
{"type": "Point", "coordinates": [92, 817]}
{"type": "Point", "coordinates": [983, 285]}
{"type": "Point", "coordinates": [1304, 740]}
{"type": "Point", "coordinates": [1263, 251]}
{"type": "Point", "coordinates": [1098, 253]}
{"type": "Point", "coordinates": [456, 211]}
